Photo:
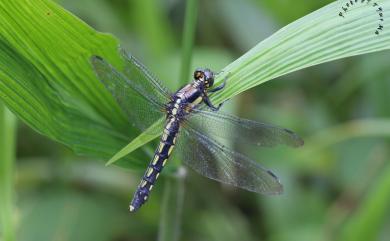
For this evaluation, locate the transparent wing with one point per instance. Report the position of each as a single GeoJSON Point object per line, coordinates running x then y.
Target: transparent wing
{"type": "Point", "coordinates": [215, 161]}
{"type": "Point", "coordinates": [142, 108]}
{"type": "Point", "coordinates": [143, 80]}
{"type": "Point", "coordinates": [234, 128]}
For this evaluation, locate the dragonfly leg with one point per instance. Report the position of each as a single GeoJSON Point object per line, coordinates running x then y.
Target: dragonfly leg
{"type": "Point", "coordinates": [220, 87]}
{"type": "Point", "coordinates": [209, 104]}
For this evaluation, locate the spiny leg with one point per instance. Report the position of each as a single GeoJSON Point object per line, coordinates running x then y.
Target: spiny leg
{"type": "Point", "coordinates": [218, 88]}
{"type": "Point", "coordinates": [209, 104]}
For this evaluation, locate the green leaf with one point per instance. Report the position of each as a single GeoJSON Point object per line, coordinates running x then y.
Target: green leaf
{"type": "Point", "coordinates": [145, 137]}
{"type": "Point", "coordinates": [47, 81]}
{"type": "Point", "coordinates": [319, 37]}
{"type": "Point", "coordinates": [7, 159]}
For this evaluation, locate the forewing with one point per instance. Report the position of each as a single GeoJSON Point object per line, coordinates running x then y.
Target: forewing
{"type": "Point", "coordinates": [215, 161]}
{"type": "Point", "coordinates": [143, 80]}
{"type": "Point", "coordinates": [141, 108]}
{"type": "Point", "coordinates": [234, 128]}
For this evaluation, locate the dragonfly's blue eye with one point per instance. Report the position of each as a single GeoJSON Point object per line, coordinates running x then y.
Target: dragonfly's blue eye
{"type": "Point", "coordinates": [209, 78]}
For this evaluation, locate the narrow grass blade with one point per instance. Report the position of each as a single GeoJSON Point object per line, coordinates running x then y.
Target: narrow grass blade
{"type": "Point", "coordinates": [7, 158]}
{"type": "Point", "coordinates": [145, 137]}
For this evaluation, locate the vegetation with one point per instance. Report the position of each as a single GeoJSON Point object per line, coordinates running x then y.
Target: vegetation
{"type": "Point", "coordinates": [336, 187]}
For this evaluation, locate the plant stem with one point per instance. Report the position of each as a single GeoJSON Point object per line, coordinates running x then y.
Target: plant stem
{"type": "Point", "coordinates": [188, 39]}
{"type": "Point", "coordinates": [172, 205]}
{"type": "Point", "coordinates": [170, 220]}
{"type": "Point", "coordinates": [7, 157]}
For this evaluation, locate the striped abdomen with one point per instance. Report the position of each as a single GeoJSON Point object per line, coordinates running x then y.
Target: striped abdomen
{"type": "Point", "coordinates": [158, 162]}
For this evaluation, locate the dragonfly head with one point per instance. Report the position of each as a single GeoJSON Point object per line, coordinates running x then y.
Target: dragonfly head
{"type": "Point", "coordinates": [205, 76]}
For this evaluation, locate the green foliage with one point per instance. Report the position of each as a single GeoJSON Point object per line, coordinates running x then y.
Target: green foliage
{"type": "Point", "coordinates": [336, 186]}
{"type": "Point", "coordinates": [66, 102]}
{"type": "Point", "coordinates": [366, 222]}
{"type": "Point", "coordinates": [80, 217]}
{"type": "Point", "coordinates": [319, 37]}
{"type": "Point", "coordinates": [47, 80]}
{"type": "Point", "coordinates": [7, 159]}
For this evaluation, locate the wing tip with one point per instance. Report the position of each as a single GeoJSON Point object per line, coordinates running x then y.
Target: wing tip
{"type": "Point", "coordinates": [278, 191]}
{"type": "Point", "coordinates": [96, 61]}
{"type": "Point", "coordinates": [298, 141]}
{"type": "Point", "coordinates": [96, 58]}
{"type": "Point", "coordinates": [273, 175]}
{"type": "Point", "coordinates": [277, 187]}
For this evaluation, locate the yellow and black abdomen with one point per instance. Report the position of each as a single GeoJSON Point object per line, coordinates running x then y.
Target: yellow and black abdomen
{"type": "Point", "coordinates": [158, 162]}
{"type": "Point", "coordinates": [189, 96]}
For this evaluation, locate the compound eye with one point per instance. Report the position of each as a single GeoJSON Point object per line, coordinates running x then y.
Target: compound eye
{"type": "Point", "coordinates": [209, 78]}
{"type": "Point", "coordinates": [198, 74]}
{"type": "Point", "coordinates": [211, 82]}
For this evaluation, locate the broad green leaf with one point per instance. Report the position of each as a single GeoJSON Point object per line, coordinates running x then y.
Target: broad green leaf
{"type": "Point", "coordinates": [47, 81]}
{"type": "Point", "coordinates": [319, 37]}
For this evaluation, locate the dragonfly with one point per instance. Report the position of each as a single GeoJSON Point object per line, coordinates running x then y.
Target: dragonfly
{"type": "Point", "coordinates": [191, 126]}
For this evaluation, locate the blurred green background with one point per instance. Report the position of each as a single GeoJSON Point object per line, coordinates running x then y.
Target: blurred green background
{"type": "Point", "coordinates": [337, 186]}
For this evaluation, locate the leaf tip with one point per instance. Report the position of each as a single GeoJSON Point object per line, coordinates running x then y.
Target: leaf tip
{"type": "Point", "coordinates": [111, 161]}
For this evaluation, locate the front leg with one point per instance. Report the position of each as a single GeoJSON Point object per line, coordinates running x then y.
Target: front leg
{"type": "Point", "coordinates": [220, 87]}
{"type": "Point", "coordinates": [209, 104]}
